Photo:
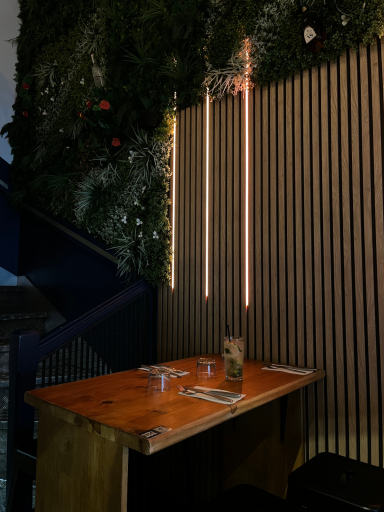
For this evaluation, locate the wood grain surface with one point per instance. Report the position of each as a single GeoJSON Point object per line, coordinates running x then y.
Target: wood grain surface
{"type": "Point", "coordinates": [78, 472]}
{"type": "Point", "coordinates": [118, 407]}
{"type": "Point", "coordinates": [316, 241]}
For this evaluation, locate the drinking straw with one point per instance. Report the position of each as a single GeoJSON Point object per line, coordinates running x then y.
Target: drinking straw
{"type": "Point", "coordinates": [228, 333]}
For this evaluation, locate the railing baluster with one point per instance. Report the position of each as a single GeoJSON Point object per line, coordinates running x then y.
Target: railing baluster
{"type": "Point", "coordinates": [124, 337]}
{"type": "Point", "coordinates": [43, 374]}
{"type": "Point", "coordinates": [109, 345]}
{"type": "Point", "coordinates": [87, 355]}
{"type": "Point", "coordinates": [63, 352]}
{"type": "Point", "coordinates": [81, 356]}
{"type": "Point", "coordinates": [69, 374]}
{"type": "Point", "coordinates": [98, 350]}
{"type": "Point", "coordinates": [50, 371]}
{"type": "Point", "coordinates": [93, 352]}
{"type": "Point", "coordinates": [57, 358]}
{"type": "Point", "coordinates": [76, 356]}
{"type": "Point", "coordinates": [23, 365]}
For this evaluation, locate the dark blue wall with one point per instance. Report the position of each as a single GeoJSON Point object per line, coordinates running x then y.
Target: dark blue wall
{"type": "Point", "coordinates": [73, 277]}
{"type": "Point", "coordinates": [9, 226]}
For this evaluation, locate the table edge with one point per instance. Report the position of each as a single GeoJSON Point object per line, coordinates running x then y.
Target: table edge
{"type": "Point", "coordinates": [148, 447]}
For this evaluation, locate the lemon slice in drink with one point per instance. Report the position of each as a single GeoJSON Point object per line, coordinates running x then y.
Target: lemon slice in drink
{"type": "Point", "coordinates": [231, 350]}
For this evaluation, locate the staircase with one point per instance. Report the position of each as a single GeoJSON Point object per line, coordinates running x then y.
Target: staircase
{"type": "Point", "coordinates": [13, 315]}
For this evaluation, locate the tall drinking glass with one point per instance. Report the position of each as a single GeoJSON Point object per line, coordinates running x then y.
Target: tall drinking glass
{"type": "Point", "coordinates": [233, 358]}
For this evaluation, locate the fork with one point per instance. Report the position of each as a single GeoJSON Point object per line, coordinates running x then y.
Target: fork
{"type": "Point", "coordinates": [191, 392]}
{"type": "Point", "coordinates": [273, 367]}
{"type": "Point", "coordinates": [168, 368]}
{"type": "Point", "coordinates": [156, 367]}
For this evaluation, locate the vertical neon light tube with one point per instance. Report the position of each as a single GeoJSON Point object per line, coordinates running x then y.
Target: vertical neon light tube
{"type": "Point", "coordinates": [246, 201]}
{"type": "Point", "coordinates": [173, 200]}
{"type": "Point", "coordinates": [246, 192]}
{"type": "Point", "coordinates": [207, 201]}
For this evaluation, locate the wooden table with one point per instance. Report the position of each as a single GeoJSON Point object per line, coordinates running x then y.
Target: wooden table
{"type": "Point", "coordinates": [87, 427]}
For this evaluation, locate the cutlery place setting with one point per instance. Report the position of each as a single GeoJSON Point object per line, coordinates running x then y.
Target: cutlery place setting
{"type": "Point", "coordinates": [212, 395]}
{"type": "Point", "coordinates": [232, 361]}
{"type": "Point", "coordinates": [298, 370]}
{"type": "Point", "coordinates": [172, 371]}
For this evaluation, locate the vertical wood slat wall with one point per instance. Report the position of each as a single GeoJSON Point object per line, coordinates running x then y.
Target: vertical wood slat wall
{"type": "Point", "coordinates": [316, 241]}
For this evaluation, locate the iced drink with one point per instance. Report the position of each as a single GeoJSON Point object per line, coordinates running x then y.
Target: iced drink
{"type": "Point", "coordinates": [233, 358]}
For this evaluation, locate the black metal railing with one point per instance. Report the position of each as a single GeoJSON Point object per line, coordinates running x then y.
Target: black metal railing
{"type": "Point", "coordinates": [121, 334]}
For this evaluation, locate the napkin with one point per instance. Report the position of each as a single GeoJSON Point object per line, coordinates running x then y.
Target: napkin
{"type": "Point", "coordinates": [211, 398]}
{"type": "Point", "coordinates": [283, 369]}
{"type": "Point", "coordinates": [178, 373]}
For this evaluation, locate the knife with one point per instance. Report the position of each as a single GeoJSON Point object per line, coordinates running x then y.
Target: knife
{"type": "Point", "coordinates": [208, 393]}
{"type": "Point", "coordinates": [294, 367]}
{"type": "Point", "coordinates": [168, 368]}
{"type": "Point", "coordinates": [274, 367]}
{"type": "Point", "coordinates": [156, 368]}
{"type": "Point", "coordinates": [228, 394]}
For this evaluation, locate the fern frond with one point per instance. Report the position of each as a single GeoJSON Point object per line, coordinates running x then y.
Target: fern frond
{"type": "Point", "coordinates": [143, 149]}
{"type": "Point", "coordinates": [140, 58]}
{"type": "Point", "coordinates": [181, 70]}
{"type": "Point", "coordinates": [16, 198]}
{"type": "Point", "coordinates": [131, 256]}
{"type": "Point", "coordinates": [38, 184]}
{"type": "Point", "coordinates": [46, 70]}
{"type": "Point", "coordinates": [74, 129]}
{"type": "Point", "coordinates": [89, 192]}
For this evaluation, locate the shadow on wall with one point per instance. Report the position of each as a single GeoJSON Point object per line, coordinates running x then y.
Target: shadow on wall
{"type": "Point", "coordinates": [7, 98]}
{"type": "Point", "coordinates": [9, 28]}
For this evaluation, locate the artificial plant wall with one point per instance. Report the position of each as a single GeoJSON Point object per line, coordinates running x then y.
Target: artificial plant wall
{"type": "Point", "coordinates": [91, 140]}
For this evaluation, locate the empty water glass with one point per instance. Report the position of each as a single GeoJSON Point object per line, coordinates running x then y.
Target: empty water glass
{"type": "Point", "coordinates": [205, 368]}
{"type": "Point", "coordinates": [159, 380]}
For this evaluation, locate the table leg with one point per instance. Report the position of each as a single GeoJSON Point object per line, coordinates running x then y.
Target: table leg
{"type": "Point", "coordinates": [78, 471]}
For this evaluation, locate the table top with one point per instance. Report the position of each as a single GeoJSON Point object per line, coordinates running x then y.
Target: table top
{"type": "Point", "coordinates": [118, 407]}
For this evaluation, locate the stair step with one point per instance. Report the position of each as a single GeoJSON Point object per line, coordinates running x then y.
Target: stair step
{"type": "Point", "coordinates": [8, 289]}
{"type": "Point", "coordinates": [28, 320]}
{"type": "Point", "coordinates": [10, 297]}
{"type": "Point", "coordinates": [20, 315]}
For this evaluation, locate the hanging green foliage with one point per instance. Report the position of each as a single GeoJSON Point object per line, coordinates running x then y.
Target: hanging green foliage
{"type": "Point", "coordinates": [92, 128]}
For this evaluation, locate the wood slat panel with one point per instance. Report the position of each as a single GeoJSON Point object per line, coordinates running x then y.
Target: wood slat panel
{"type": "Point", "coordinates": [259, 318]}
{"type": "Point", "coordinates": [216, 206]}
{"type": "Point", "coordinates": [281, 226]}
{"type": "Point", "coordinates": [316, 241]}
{"type": "Point", "coordinates": [251, 338]}
{"type": "Point", "coordinates": [273, 256]}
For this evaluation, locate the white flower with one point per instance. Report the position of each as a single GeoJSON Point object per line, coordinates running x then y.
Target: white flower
{"type": "Point", "coordinates": [124, 219]}
{"type": "Point", "coordinates": [61, 130]}
{"type": "Point", "coordinates": [345, 19]}
{"type": "Point", "coordinates": [138, 222]}
{"type": "Point", "coordinates": [155, 233]}
{"type": "Point", "coordinates": [52, 99]}
{"type": "Point", "coordinates": [44, 113]}
{"type": "Point", "coordinates": [135, 203]}
{"type": "Point", "coordinates": [141, 234]}
{"type": "Point", "coordinates": [143, 207]}
{"type": "Point", "coordinates": [67, 147]}
{"type": "Point", "coordinates": [142, 190]}
{"type": "Point", "coordinates": [42, 94]}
